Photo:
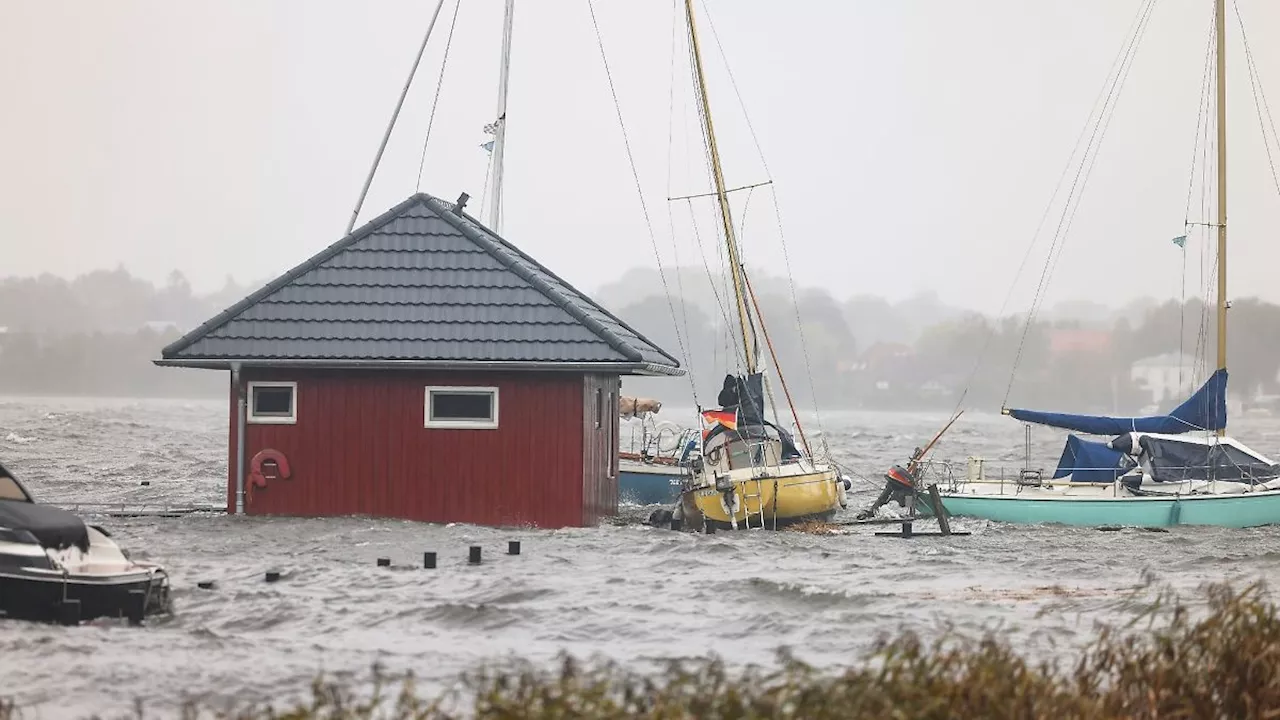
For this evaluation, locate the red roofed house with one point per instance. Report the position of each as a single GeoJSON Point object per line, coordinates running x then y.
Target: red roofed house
{"type": "Point", "coordinates": [423, 368]}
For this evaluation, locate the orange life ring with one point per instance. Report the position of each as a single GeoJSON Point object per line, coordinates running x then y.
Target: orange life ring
{"type": "Point", "coordinates": [258, 477]}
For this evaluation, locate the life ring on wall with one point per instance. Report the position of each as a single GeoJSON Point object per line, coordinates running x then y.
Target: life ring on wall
{"type": "Point", "coordinates": [266, 465]}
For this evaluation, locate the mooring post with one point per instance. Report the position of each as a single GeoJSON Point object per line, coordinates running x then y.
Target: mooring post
{"type": "Point", "coordinates": [944, 523]}
{"type": "Point", "coordinates": [513, 547]}
{"type": "Point", "coordinates": [428, 560]}
{"type": "Point", "coordinates": [911, 512]}
{"type": "Point", "coordinates": [475, 555]}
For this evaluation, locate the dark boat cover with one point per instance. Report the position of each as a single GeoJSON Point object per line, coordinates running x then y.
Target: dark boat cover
{"type": "Point", "coordinates": [53, 527]}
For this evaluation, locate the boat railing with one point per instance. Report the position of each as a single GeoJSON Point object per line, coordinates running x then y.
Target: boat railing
{"type": "Point", "coordinates": [127, 509]}
{"type": "Point", "coordinates": [651, 439]}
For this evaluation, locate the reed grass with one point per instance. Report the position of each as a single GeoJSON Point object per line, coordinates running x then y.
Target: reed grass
{"type": "Point", "coordinates": [1222, 661]}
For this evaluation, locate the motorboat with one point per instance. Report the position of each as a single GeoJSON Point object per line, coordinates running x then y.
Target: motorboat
{"type": "Point", "coordinates": [56, 568]}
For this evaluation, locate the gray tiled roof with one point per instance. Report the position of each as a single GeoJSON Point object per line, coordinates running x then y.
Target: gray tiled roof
{"type": "Point", "coordinates": [422, 283]}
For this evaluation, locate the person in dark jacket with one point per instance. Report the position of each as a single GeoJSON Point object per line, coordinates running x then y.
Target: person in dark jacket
{"type": "Point", "coordinates": [728, 396]}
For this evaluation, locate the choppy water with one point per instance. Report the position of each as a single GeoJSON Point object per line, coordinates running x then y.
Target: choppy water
{"type": "Point", "coordinates": [623, 590]}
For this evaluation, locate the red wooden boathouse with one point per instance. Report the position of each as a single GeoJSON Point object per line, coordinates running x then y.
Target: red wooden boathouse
{"type": "Point", "coordinates": [423, 368]}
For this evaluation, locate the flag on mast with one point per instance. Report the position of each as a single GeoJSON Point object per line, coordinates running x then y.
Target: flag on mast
{"type": "Point", "coordinates": [1180, 241]}
{"type": "Point", "coordinates": [711, 418]}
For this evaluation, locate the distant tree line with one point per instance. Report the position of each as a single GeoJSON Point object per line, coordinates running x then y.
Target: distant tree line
{"type": "Point", "coordinates": [97, 334]}
{"type": "Point", "coordinates": [919, 353]}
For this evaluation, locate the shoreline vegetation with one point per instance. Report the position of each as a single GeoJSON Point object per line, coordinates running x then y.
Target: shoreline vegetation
{"type": "Point", "coordinates": [97, 335]}
{"type": "Point", "coordinates": [1172, 660]}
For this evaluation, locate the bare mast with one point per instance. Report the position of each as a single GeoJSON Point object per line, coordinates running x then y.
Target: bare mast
{"type": "Point", "coordinates": [500, 125]}
{"type": "Point", "coordinates": [1220, 13]}
{"type": "Point", "coordinates": [377, 158]}
{"type": "Point", "coordinates": [722, 198]}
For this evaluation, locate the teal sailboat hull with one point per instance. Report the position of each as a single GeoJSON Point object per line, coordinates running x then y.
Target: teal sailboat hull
{"type": "Point", "coordinates": [1233, 511]}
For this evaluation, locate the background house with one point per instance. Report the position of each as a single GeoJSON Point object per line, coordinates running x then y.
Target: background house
{"type": "Point", "coordinates": [423, 368]}
{"type": "Point", "coordinates": [1167, 378]}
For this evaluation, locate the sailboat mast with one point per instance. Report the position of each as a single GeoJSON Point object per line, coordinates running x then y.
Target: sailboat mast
{"type": "Point", "coordinates": [722, 198]}
{"type": "Point", "coordinates": [1220, 13]}
{"type": "Point", "coordinates": [500, 125]}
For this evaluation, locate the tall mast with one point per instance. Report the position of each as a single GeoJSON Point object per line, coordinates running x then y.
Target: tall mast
{"type": "Point", "coordinates": [500, 125]}
{"type": "Point", "coordinates": [1220, 12]}
{"type": "Point", "coordinates": [735, 264]}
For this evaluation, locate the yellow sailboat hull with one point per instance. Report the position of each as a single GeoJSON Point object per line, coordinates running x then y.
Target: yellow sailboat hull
{"type": "Point", "coordinates": [767, 501]}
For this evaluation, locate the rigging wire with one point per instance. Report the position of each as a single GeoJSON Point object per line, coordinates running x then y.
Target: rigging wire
{"type": "Point", "coordinates": [435, 103]}
{"type": "Point", "coordinates": [1259, 99]}
{"type": "Point", "coordinates": [671, 223]}
{"type": "Point", "coordinates": [1201, 125]}
{"type": "Point", "coordinates": [1067, 217]}
{"type": "Point", "coordinates": [721, 251]}
{"type": "Point", "coordinates": [644, 207]}
{"type": "Point", "coordinates": [720, 302]}
{"type": "Point", "coordinates": [1035, 235]}
{"type": "Point", "coordinates": [1207, 162]}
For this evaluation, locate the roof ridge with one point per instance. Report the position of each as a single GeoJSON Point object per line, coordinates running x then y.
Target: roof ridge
{"type": "Point", "coordinates": [507, 245]}
{"type": "Point", "coordinates": [288, 277]}
{"type": "Point", "coordinates": [472, 231]}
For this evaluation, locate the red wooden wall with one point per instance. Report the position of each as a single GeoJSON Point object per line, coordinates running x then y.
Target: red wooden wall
{"type": "Point", "coordinates": [359, 448]}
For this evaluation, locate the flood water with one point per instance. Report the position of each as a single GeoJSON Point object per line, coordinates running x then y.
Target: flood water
{"type": "Point", "coordinates": [623, 590]}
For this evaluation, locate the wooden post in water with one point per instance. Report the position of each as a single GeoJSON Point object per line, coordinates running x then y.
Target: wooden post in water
{"type": "Point", "coordinates": [944, 523]}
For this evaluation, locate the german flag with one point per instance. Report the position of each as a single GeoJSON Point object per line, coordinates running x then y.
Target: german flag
{"type": "Point", "coordinates": [711, 418]}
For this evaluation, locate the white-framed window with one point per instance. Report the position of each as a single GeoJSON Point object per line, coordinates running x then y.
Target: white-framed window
{"type": "Point", "coordinates": [273, 403]}
{"type": "Point", "coordinates": [452, 406]}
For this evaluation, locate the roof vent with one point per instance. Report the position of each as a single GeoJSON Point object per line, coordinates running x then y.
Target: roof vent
{"type": "Point", "coordinates": [462, 202]}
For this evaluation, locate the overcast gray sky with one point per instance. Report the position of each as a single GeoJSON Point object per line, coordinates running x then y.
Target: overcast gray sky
{"type": "Point", "coordinates": [914, 143]}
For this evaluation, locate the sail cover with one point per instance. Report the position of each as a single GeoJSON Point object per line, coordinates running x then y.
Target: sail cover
{"type": "Point", "coordinates": [744, 394]}
{"type": "Point", "coordinates": [1205, 410]}
{"type": "Point", "coordinates": [1089, 461]}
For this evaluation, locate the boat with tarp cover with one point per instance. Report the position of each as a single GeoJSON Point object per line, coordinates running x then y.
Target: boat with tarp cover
{"type": "Point", "coordinates": [1179, 468]}
{"type": "Point", "coordinates": [1154, 471]}
{"type": "Point", "coordinates": [55, 567]}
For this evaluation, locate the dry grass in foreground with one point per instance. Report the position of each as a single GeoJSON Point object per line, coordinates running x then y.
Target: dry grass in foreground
{"type": "Point", "coordinates": [1224, 663]}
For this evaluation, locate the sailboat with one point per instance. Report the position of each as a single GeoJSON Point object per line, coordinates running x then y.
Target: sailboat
{"type": "Point", "coordinates": [1152, 471]}
{"type": "Point", "coordinates": [750, 473]}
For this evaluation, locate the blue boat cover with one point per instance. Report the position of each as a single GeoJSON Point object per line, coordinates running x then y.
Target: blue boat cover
{"type": "Point", "coordinates": [1205, 410]}
{"type": "Point", "coordinates": [1089, 461]}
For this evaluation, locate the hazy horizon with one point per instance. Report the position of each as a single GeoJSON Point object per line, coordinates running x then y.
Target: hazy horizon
{"type": "Point", "coordinates": [914, 145]}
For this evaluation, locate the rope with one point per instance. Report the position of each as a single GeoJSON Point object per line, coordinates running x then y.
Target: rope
{"type": "Point", "coordinates": [435, 103]}
{"type": "Point", "coordinates": [1068, 211]}
{"type": "Point", "coordinates": [644, 207]}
